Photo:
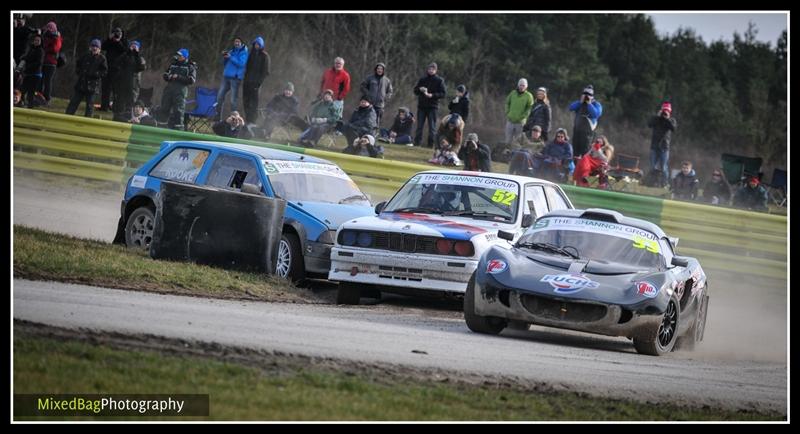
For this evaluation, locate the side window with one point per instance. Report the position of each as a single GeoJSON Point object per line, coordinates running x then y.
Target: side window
{"type": "Point", "coordinates": [231, 171]}
{"type": "Point", "coordinates": [182, 165]}
{"type": "Point", "coordinates": [555, 198]}
{"type": "Point", "coordinates": [534, 196]}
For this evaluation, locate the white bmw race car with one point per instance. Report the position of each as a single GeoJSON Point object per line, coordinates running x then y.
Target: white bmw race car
{"type": "Point", "coordinates": [429, 236]}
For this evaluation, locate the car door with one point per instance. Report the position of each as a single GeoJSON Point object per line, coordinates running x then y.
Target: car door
{"type": "Point", "coordinates": [231, 171]}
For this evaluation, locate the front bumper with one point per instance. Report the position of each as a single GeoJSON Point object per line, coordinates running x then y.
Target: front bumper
{"type": "Point", "coordinates": [377, 267]}
{"type": "Point", "coordinates": [317, 257]}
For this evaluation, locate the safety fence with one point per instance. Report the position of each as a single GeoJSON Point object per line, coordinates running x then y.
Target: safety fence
{"type": "Point", "coordinates": [722, 238]}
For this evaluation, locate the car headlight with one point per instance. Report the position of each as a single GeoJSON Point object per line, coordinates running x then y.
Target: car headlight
{"type": "Point", "coordinates": [364, 239]}
{"type": "Point", "coordinates": [347, 238]}
{"type": "Point", "coordinates": [327, 237]}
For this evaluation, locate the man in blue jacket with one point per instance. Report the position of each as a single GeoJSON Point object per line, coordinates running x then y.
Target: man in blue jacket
{"type": "Point", "coordinates": [235, 61]}
{"type": "Point", "coordinates": [587, 111]}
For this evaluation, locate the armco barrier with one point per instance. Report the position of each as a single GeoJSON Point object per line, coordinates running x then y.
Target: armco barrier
{"type": "Point", "coordinates": [722, 238]}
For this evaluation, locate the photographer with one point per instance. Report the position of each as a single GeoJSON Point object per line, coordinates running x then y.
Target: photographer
{"type": "Point", "coordinates": [115, 46]}
{"type": "Point", "coordinates": [663, 124]}
{"type": "Point", "coordinates": [587, 111]}
{"type": "Point", "coordinates": [235, 63]}
{"type": "Point", "coordinates": [364, 146]}
{"type": "Point", "coordinates": [232, 126]}
{"type": "Point", "coordinates": [475, 155]}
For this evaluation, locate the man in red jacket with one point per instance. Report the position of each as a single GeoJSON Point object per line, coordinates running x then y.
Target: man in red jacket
{"type": "Point", "coordinates": [338, 80]}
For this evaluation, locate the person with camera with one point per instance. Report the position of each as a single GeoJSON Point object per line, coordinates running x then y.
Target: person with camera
{"type": "Point", "coordinates": [114, 46]}
{"type": "Point", "coordinates": [32, 70]}
{"type": "Point", "coordinates": [460, 104]}
{"type": "Point", "coordinates": [232, 126]}
{"type": "Point", "coordinates": [519, 103]}
{"type": "Point", "coordinates": [126, 83]}
{"type": "Point", "coordinates": [429, 90]}
{"type": "Point", "coordinates": [256, 70]}
{"type": "Point", "coordinates": [587, 111]}
{"type": "Point", "coordinates": [663, 125]}
{"type": "Point", "coordinates": [321, 118]}
{"type": "Point", "coordinates": [362, 121]}
{"type": "Point", "coordinates": [181, 74]}
{"type": "Point", "coordinates": [365, 146]}
{"type": "Point", "coordinates": [235, 61]}
{"type": "Point", "coordinates": [475, 155]}
{"type": "Point", "coordinates": [90, 68]}
{"type": "Point", "coordinates": [52, 48]}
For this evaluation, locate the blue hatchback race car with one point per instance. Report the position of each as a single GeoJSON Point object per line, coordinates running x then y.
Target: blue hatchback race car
{"type": "Point", "coordinates": [319, 195]}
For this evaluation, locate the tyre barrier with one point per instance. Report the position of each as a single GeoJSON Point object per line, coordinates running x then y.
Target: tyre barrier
{"type": "Point", "coordinates": [217, 227]}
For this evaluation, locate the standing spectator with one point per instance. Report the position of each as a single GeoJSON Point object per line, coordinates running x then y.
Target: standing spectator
{"type": "Point", "coordinates": [475, 155]}
{"type": "Point", "coordinates": [126, 83]}
{"type": "Point", "coordinates": [114, 46]}
{"type": "Point", "coordinates": [365, 146]}
{"type": "Point", "coordinates": [717, 191]}
{"type": "Point", "coordinates": [322, 117]}
{"type": "Point", "coordinates": [541, 115]}
{"type": "Point", "coordinates": [91, 68]}
{"type": "Point", "coordinates": [587, 111]}
{"type": "Point", "coordinates": [258, 68]}
{"type": "Point", "coordinates": [451, 129]}
{"type": "Point", "coordinates": [22, 34]}
{"type": "Point", "coordinates": [232, 126]}
{"type": "Point", "coordinates": [429, 90]}
{"type": "Point", "coordinates": [752, 196]}
{"type": "Point", "coordinates": [32, 71]}
{"type": "Point", "coordinates": [140, 115]}
{"type": "Point", "coordinates": [336, 79]}
{"type": "Point", "coordinates": [595, 162]}
{"type": "Point", "coordinates": [378, 88]}
{"type": "Point", "coordinates": [460, 104]}
{"type": "Point", "coordinates": [400, 132]}
{"type": "Point", "coordinates": [362, 121]}
{"type": "Point", "coordinates": [518, 106]}
{"type": "Point", "coordinates": [685, 183]}
{"type": "Point", "coordinates": [181, 74]}
{"type": "Point", "coordinates": [52, 47]}
{"type": "Point", "coordinates": [280, 109]}
{"type": "Point", "coordinates": [663, 124]}
{"type": "Point", "coordinates": [234, 61]}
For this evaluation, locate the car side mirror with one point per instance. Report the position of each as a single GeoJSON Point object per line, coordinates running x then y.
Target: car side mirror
{"type": "Point", "coordinates": [379, 207]}
{"type": "Point", "coordinates": [680, 262]}
{"type": "Point", "coordinates": [505, 235]}
{"type": "Point", "coordinates": [527, 220]}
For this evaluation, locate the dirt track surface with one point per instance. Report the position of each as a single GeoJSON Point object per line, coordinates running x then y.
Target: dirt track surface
{"type": "Point", "coordinates": [406, 337]}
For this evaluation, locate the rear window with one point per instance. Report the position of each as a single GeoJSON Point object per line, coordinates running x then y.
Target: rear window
{"type": "Point", "coordinates": [182, 165]}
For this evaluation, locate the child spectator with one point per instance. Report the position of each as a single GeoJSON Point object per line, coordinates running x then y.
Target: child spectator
{"type": "Point", "coordinates": [460, 104]}
{"type": "Point", "coordinates": [684, 184]}
{"type": "Point", "coordinates": [140, 115]}
{"type": "Point", "coordinates": [400, 132]}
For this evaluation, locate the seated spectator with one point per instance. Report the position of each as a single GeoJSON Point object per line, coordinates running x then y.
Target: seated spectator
{"type": "Point", "coordinates": [232, 126]}
{"type": "Point", "coordinates": [364, 120]}
{"type": "Point", "coordinates": [752, 196]}
{"type": "Point", "coordinates": [18, 102]}
{"type": "Point", "coordinates": [684, 184]}
{"type": "Point", "coordinates": [365, 146]}
{"type": "Point", "coordinates": [595, 162]}
{"type": "Point", "coordinates": [536, 143]}
{"type": "Point", "coordinates": [556, 160]}
{"type": "Point", "coordinates": [451, 129]}
{"type": "Point", "coordinates": [321, 118]}
{"type": "Point", "coordinates": [400, 132]}
{"type": "Point", "coordinates": [460, 104]}
{"type": "Point", "coordinates": [445, 155]}
{"type": "Point", "coordinates": [282, 108]}
{"type": "Point", "coordinates": [140, 115]}
{"type": "Point", "coordinates": [717, 191]}
{"type": "Point", "coordinates": [475, 155]}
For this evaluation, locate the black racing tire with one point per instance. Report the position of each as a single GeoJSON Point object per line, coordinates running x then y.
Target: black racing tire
{"type": "Point", "coordinates": [660, 339]}
{"type": "Point", "coordinates": [480, 324]}
{"type": "Point", "coordinates": [348, 293]}
{"type": "Point", "coordinates": [139, 228]}
{"type": "Point", "coordinates": [290, 263]}
{"type": "Point", "coordinates": [695, 333]}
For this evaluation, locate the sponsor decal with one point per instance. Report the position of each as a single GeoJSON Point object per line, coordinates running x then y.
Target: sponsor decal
{"type": "Point", "coordinates": [503, 197]}
{"type": "Point", "coordinates": [646, 289]}
{"type": "Point", "coordinates": [472, 181]}
{"type": "Point", "coordinates": [641, 238]}
{"type": "Point", "coordinates": [496, 266]}
{"type": "Point", "coordinates": [138, 181]}
{"type": "Point", "coordinates": [280, 167]}
{"type": "Point", "coordinates": [569, 283]}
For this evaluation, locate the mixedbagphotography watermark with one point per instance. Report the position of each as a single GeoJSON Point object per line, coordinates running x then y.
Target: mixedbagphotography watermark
{"type": "Point", "coordinates": [110, 405]}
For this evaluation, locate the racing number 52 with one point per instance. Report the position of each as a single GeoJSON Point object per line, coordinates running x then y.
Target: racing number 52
{"type": "Point", "coordinates": [504, 197]}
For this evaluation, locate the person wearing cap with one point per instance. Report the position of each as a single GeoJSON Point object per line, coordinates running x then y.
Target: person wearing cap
{"type": "Point", "coordinates": [90, 68]}
{"type": "Point", "coordinates": [451, 129]}
{"type": "Point", "coordinates": [362, 121]}
{"type": "Point", "coordinates": [113, 47]}
{"type": "Point", "coordinates": [365, 146]}
{"type": "Point", "coordinates": [257, 69]}
{"type": "Point", "coordinates": [429, 90]}
{"type": "Point", "coordinates": [475, 155]}
{"type": "Point", "coordinates": [378, 88]}
{"type": "Point", "coordinates": [519, 103]}
{"type": "Point", "coordinates": [22, 34]}
{"type": "Point", "coordinates": [140, 115]}
{"type": "Point", "coordinates": [234, 61]}
{"type": "Point", "coordinates": [336, 79]}
{"type": "Point", "coordinates": [282, 108]}
{"type": "Point", "coordinates": [587, 112]}
{"type": "Point", "coordinates": [127, 80]}
{"type": "Point", "coordinates": [32, 71]}
{"type": "Point", "coordinates": [51, 42]}
{"type": "Point", "coordinates": [684, 185]}
{"type": "Point", "coordinates": [752, 196]}
{"type": "Point", "coordinates": [541, 115]}
{"type": "Point", "coordinates": [460, 104]}
{"type": "Point", "coordinates": [663, 124]}
{"type": "Point", "coordinates": [717, 191]}
{"type": "Point", "coordinates": [401, 129]}
{"type": "Point", "coordinates": [322, 117]}
{"type": "Point", "coordinates": [180, 74]}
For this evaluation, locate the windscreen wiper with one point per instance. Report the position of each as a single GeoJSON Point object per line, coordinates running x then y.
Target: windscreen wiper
{"type": "Point", "coordinates": [417, 209]}
{"type": "Point", "coordinates": [474, 214]}
{"type": "Point", "coordinates": [551, 248]}
{"type": "Point", "coordinates": [353, 197]}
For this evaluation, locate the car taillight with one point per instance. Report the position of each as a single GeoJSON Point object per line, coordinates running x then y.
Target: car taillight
{"type": "Point", "coordinates": [464, 248]}
{"type": "Point", "coordinates": [348, 238]}
{"type": "Point", "coordinates": [443, 246]}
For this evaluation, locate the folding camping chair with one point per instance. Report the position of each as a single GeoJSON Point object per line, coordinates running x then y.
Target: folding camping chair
{"type": "Point", "coordinates": [624, 170]}
{"type": "Point", "coordinates": [777, 187]}
{"type": "Point", "coordinates": [737, 168]}
{"type": "Point", "coordinates": [204, 112]}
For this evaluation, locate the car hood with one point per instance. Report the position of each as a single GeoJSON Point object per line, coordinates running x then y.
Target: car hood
{"type": "Point", "coordinates": [333, 214]}
{"type": "Point", "coordinates": [453, 227]}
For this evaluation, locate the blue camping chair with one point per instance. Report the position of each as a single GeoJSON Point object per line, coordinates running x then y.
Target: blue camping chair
{"type": "Point", "coordinates": [204, 112]}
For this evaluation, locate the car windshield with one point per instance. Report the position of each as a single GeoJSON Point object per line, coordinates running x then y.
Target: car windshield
{"type": "Point", "coordinates": [314, 182]}
{"type": "Point", "coordinates": [594, 240]}
{"type": "Point", "coordinates": [470, 196]}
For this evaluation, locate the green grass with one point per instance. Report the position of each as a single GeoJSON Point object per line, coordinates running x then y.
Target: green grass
{"type": "Point", "coordinates": [40, 255]}
{"type": "Point", "coordinates": [245, 392]}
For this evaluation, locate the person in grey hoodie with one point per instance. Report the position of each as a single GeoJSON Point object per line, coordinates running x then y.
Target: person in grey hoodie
{"type": "Point", "coordinates": [378, 88]}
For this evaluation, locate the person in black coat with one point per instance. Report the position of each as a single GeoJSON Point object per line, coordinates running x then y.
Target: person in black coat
{"type": "Point", "coordinates": [114, 46]}
{"type": "Point", "coordinates": [22, 34]}
{"type": "Point", "coordinates": [32, 70]}
{"type": "Point", "coordinates": [460, 104]}
{"type": "Point", "coordinates": [91, 67]}
{"type": "Point", "coordinates": [429, 89]}
{"type": "Point", "coordinates": [232, 126]}
{"type": "Point", "coordinates": [282, 108]}
{"type": "Point", "coordinates": [363, 121]}
{"type": "Point", "coordinates": [256, 70]}
{"type": "Point", "coordinates": [541, 115]}
{"type": "Point", "coordinates": [126, 82]}
{"type": "Point", "coordinates": [475, 155]}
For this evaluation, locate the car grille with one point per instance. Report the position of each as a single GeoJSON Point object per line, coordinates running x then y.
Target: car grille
{"type": "Point", "coordinates": [548, 308]}
{"type": "Point", "coordinates": [407, 243]}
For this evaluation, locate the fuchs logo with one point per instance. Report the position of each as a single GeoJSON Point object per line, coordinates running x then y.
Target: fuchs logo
{"type": "Point", "coordinates": [646, 289]}
{"type": "Point", "coordinates": [496, 266]}
{"type": "Point", "coordinates": [569, 283]}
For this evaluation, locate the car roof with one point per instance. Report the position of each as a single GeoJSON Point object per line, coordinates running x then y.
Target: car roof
{"type": "Point", "coordinates": [258, 151]}
{"type": "Point", "coordinates": [608, 215]}
{"type": "Point", "coordinates": [521, 179]}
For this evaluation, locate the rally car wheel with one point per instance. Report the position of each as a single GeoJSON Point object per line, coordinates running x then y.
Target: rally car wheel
{"type": "Point", "coordinates": [480, 324]}
{"type": "Point", "coordinates": [290, 260]}
{"type": "Point", "coordinates": [695, 333]}
{"type": "Point", "coordinates": [139, 228]}
{"type": "Point", "coordinates": [660, 340]}
{"type": "Point", "coordinates": [348, 293]}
